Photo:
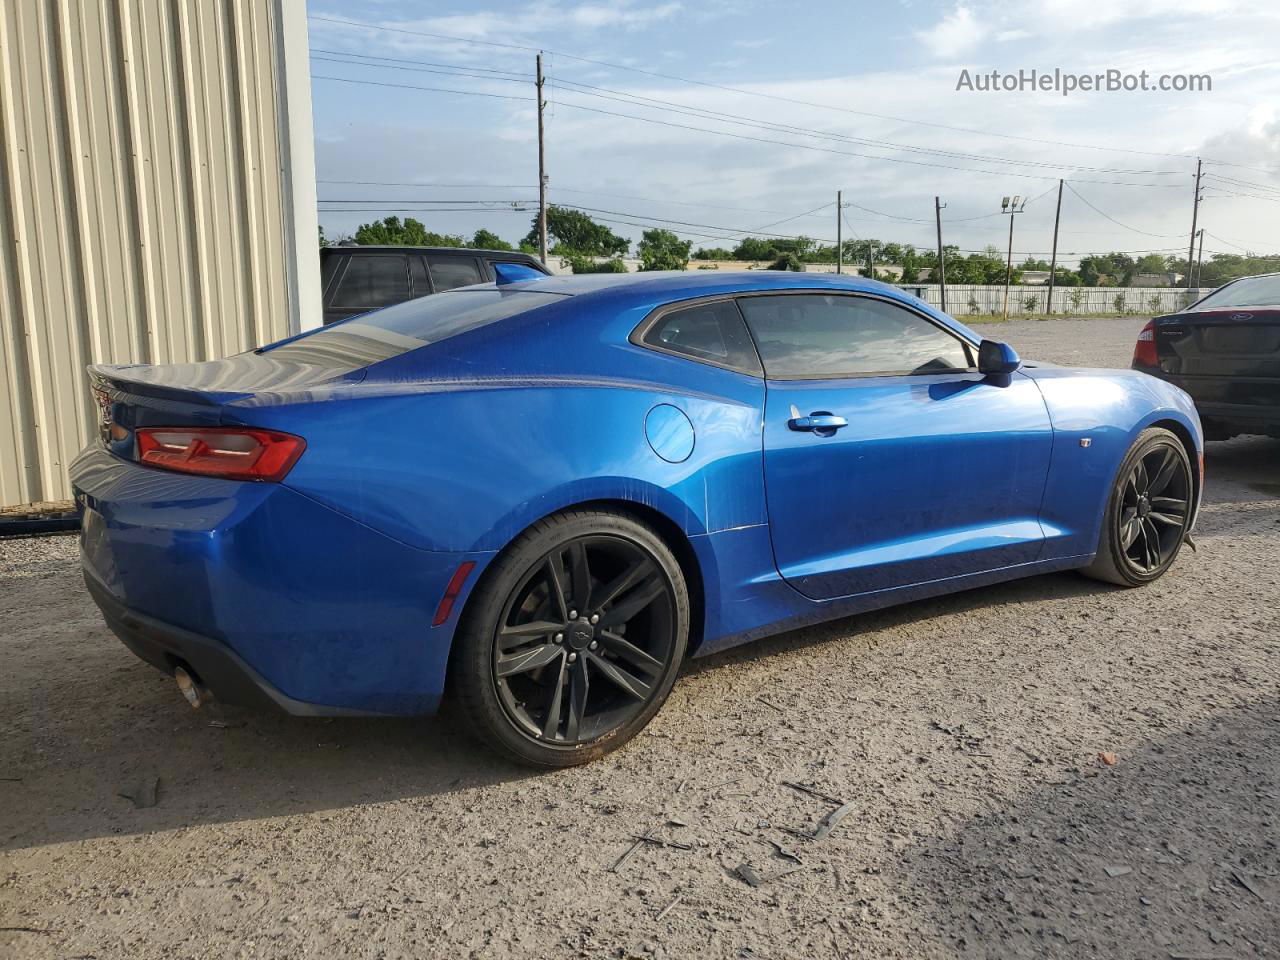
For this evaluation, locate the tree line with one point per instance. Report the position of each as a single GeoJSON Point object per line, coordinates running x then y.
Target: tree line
{"type": "Point", "coordinates": [587, 246]}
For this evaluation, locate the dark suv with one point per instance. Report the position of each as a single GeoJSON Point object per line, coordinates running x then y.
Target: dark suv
{"type": "Point", "coordinates": [357, 279]}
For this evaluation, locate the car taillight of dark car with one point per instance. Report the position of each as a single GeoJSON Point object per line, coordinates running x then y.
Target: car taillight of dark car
{"type": "Point", "coordinates": [1144, 351]}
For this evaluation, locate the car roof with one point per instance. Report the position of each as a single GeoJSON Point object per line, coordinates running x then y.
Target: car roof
{"type": "Point", "coordinates": [674, 285]}
{"type": "Point", "coordinates": [620, 293]}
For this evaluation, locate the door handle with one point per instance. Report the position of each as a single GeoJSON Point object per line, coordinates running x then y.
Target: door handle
{"type": "Point", "coordinates": [818, 422]}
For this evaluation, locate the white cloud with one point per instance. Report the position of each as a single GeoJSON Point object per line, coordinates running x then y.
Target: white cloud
{"type": "Point", "coordinates": [957, 32]}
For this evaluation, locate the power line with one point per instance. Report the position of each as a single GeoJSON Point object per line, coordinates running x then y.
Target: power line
{"type": "Point", "coordinates": [687, 109]}
{"type": "Point", "coordinates": [468, 200]}
{"type": "Point", "coordinates": [1274, 171]}
{"type": "Point", "coordinates": [1243, 183]}
{"type": "Point", "coordinates": [405, 86]}
{"type": "Point", "coordinates": [392, 66]}
{"type": "Point", "coordinates": [750, 93]}
{"type": "Point", "coordinates": [1229, 243]}
{"type": "Point", "coordinates": [395, 208]}
{"type": "Point", "coordinates": [843, 153]}
{"type": "Point", "coordinates": [1163, 236]}
{"type": "Point", "coordinates": [748, 122]}
{"type": "Point", "coordinates": [725, 133]}
{"type": "Point", "coordinates": [424, 63]}
{"type": "Point", "coordinates": [450, 186]}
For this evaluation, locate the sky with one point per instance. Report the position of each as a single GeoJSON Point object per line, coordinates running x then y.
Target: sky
{"type": "Point", "coordinates": [718, 119]}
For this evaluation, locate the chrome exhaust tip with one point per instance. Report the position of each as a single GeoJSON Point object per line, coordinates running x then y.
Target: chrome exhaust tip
{"type": "Point", "coordinates": [191, 688]}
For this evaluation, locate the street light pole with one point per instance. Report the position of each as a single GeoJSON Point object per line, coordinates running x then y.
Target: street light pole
{"type": "Point", "coordinates": [1010, 207]}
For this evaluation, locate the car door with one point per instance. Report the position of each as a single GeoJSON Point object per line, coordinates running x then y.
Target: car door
{"type": "Point", "coordinates": [888, 459]}
{"type": "Point", "coordinates": [368, 281]}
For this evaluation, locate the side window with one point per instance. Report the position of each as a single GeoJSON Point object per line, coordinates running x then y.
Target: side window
{"type": "Point", "coordinates": [819, 335]}
{"type": "Point", "coordinates": [711, 332]}
{"type": "Point", "coordinates": [450, 272]}
{"type": "Point", "coordinates": [328, 267]}
{"type": "Point", "coordinates": [418, 274]}
{"type": "Point", "coordinates": [373, 281]}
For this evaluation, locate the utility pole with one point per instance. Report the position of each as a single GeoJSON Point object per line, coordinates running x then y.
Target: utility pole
{"type": "Point", "coordinates": [871, 260]}
{"type": "Point", "coordinates": [942, 257]}
{"type": "Point", "coordinates": [1016, 206]}
{"type": "Point", "coordinates": [1195, 213]}
{"type": "Point", "coordinates": [1053, 263]}
{"type": "Point", "coordinates": [542, 171]}
{"type": "Point", "coordinates": [1200, 257]}
{"type": "Point", "coordinates": [839, 235]}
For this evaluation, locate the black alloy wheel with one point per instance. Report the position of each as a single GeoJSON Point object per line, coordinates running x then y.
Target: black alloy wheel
{"type": "Point", "coordinates": [1148, 513]}
{"type": "Point", "coordinates": [582, 625]}
{"type": "Point", "coordinates": [1154, 509]}
{"type": "Point", "coordinates": [584, 640]}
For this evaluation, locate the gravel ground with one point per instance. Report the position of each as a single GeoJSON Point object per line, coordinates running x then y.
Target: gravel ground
{"type": "Point", "coordinates": [965, 732]}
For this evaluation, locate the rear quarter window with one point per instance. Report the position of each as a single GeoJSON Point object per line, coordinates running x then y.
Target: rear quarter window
{"type": "Point", "coordinates": [382, 334]}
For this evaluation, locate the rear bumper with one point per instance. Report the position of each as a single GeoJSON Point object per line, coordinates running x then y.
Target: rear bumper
{"type": "Point", "coordinates": [226, 675]}
{"type": "Point", "coordinates": [1218, 414]}
{"type": "Point", "coordinates": [268, 596]}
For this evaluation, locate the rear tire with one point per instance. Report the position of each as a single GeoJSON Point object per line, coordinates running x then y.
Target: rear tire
{"type": "Point", "coordinates": [1148, 511]}
{"type": "Point", "coordinates": [572, 640]}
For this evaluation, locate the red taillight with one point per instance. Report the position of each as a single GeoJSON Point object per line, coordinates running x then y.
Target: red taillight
{"type": "Point", "coordinates": [234, 453]}
{"type": "Point", "coordinates": [1144, 351]}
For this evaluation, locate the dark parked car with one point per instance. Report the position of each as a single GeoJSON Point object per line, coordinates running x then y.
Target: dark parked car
{"type": "Point", "coordinates": [357, 279]}
{"type": "Point", "coordinates": [1224, 350]}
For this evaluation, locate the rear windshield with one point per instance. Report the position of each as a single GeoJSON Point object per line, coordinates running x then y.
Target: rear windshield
{"type": "Point", "coordinates": [382, 334]}
{"type": "Point", "coordinates": [1249, 292]}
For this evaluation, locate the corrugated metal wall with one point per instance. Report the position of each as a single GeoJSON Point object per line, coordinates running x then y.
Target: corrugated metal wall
{"type": "Point", "coordinates": [144, 211]}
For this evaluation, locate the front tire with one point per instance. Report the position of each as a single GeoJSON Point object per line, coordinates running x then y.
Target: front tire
{"type": "Point", "coordinates": [1148, 512]}
{"type": "Point", "coordinates": [572, 640]}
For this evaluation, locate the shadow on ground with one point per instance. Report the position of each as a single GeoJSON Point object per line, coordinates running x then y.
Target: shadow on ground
{"type": "Point", "coordinates": [1174, 851]}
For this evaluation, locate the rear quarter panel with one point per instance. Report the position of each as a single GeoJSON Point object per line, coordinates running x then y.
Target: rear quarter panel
{"type": "Point", "coordinates": [1097, 415]}
{"type": "Point", "coordinates": [439, 463]}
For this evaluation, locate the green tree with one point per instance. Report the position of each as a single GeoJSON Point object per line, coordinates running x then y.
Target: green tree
{"type": "Point", "coordinates": [788, 261]}
{"type": "Point", "coordinates": [910, 266]}
{"type": "Point", "coordinates": [573, 232]}
{"type": "Point", "coordinates": [411, 233]}
{"type": "Point", "coordinates": [324, 242]}
{"type": "Point", "coordinates": [713, 253]}
{"type": "Point", "coordinates": [488, 240]}
{"type": "Point", "coordinates": [663, 250]}
{"type": "Point", "coordinates": [755, 248]}
{"type": "Point", "coordinates": [1151, 263]}
{"type": "Point", "coordinates": [579, 263]}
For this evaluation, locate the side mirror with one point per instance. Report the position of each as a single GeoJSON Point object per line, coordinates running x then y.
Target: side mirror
{"type": "Point", "coordinates": [997, 358]}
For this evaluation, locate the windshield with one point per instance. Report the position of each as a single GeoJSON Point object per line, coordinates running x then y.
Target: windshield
{"type": "Point", "coordinates": [1249, 292]}
{"type": "Point", "coordinates": [382, 334]}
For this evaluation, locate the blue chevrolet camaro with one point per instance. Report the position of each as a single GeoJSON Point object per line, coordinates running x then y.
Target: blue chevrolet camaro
{"type": "Point", "coordinates": [542, 495]}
